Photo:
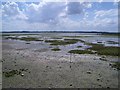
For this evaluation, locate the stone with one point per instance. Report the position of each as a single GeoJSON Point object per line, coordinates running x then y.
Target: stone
{"type": "Point", "coordinates": [98, 79]}
{"type": "Point", "coordinates": [104, 59]}
{"type": "Point", "coordinates": [22, 74]}
{"type": "Point", "coordinates": [89, 72]}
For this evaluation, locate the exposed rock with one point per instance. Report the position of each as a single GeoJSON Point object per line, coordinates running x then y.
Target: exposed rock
{"type": "Point", "coordinates": [98, 79]}
{"type": "Point", "coordinates": [103, 56]}
{"type": "Point", "coordinates": [47, 66]}
{"type": "Point", "coordinates": [22, 74]}
{"type": "Point", "coordinates": [89, 72]}
{"type": "Point", "coordinates": [104, 59]}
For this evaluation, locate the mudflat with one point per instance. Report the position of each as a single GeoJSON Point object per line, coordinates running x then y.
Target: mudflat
{"type": "Point", "coordinates": [39, 64]}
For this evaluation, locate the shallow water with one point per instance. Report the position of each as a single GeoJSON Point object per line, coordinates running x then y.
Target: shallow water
{"type": "Point", "coordinates": [88, 37]}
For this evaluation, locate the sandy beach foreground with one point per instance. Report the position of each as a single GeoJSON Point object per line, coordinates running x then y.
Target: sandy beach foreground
{"type": "Point", "coordinates": [43, 68]}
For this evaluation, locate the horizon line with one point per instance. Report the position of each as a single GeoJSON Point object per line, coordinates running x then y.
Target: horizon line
{"type": "Point", "coordinates": [58, 31]}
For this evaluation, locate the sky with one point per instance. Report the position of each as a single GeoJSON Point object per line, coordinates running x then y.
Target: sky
{"type": "Point", "coordinates": [59, 16]}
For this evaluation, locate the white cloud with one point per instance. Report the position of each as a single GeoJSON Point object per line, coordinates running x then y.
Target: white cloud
{"type": "Point", "coordinates": [11, 11]}
{"type": "Point", "coordinates": [68, 24]}
{"type": "Point", "coordinates": [45, 12]}
{"type": "Point", "coordinates": [105, 22]}
{"type": "Point", "coordinates": [50, 12]}
{"type": "Point", "coordinates": [23, 25]}
{"type": "Point", "coordinates": [100, 1]}
{"type": "Point", "coordinates": [106, 13]}
{"type": "Point", "coordinates": [87, 4]}
{"type": "Point", "coordinates": [10, 8]}
{"type": "Point", "coordinates": [55, 16]}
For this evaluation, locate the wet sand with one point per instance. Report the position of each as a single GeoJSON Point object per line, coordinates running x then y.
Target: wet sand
{"type": "Point", "coordinates": [55, 69]}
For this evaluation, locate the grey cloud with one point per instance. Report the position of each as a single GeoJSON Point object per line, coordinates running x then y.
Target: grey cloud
{"type": "Point", "coordinates": [74, 8]}
{"type": "Point", "coordinates": [46, 13]}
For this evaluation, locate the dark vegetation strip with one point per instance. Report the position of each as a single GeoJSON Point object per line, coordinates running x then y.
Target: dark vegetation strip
{"type": "Point", "coordinates": [100, 49]}
{"type": "Point", "coordinates": [18, 34]}
{"type": "Point", "coordinates": [116, 65]}
{"type": "Point", "coordinates": [79, 46]}
{"type": "Point", "coordinates": [112, 42]}
{"type": "Point", "coordinates": [11, 73]}
{"type": "Point", "coordinates": [77, 36]}
{"type": "Point", "coordinates": [56, 37]}
{"type": "Point", "coordinates": [62, 42]}
{"type": "Point", "coordinates": [29, 39]}
{"type": "Point", "coordinates": [111, 34]}
{"type": "Point", "coordinates": [80, 52]}
{"type": "Point", "coordinates": [55, 49]}
{"type": "Point", "coordinates": [105, 50]}
{"type": "Point", "coordinates": [24, 38]}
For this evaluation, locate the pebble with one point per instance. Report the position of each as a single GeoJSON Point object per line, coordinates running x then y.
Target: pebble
{"type": "Point", "coordinates": [60, 67]}
{"type": "Point", "coordinates": [98, 79]}
{"type": "Point", "coordinates": [47, 66]}
{"type": "Point", "coordinates": [22, 74]}
{"type": "Point", "coordinates": [89, 72]}
{"type": "Point", "coordinates": [104, 59]}
{"type": "Point", "coordinates": [99, 85]}
{"type": "Point", "coordinates": [103, 56]}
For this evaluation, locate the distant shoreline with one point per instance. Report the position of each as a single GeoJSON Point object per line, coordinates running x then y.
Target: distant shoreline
{"type": "Point", "coordinates": [60, 32]}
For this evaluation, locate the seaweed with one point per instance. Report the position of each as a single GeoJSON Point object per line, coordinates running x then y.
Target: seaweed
{"type": "Point", "coordinates": [55, 49]}
{"type": "Point", "coordinates": [116, 65]}
{"type": "Point", "coordinates": [80, 52]}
